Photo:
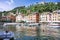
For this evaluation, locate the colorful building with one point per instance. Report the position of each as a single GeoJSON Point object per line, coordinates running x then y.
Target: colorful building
{"type": "Point", "coordinates": [19, 17]}
{"type": "Point", "coordinates": [45, 17]}
{"type": "Point", "coordinates": [34, 17]}
{"type": "Point", "coordinates": [50, 17]}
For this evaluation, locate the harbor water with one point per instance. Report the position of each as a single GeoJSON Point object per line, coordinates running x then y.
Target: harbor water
{"type": "Point", "coordinates": [31, 31]}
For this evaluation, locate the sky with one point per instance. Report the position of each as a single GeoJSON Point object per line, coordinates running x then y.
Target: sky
{"type": "Point", "coordinates": [6, 5]}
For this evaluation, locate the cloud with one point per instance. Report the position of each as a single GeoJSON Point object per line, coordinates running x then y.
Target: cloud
{"type": "Point", "coordinates": [6, 6]}
{"type": "Point", "coordinates": [12, 1]}
{"type": "Point", "coordinates": [1, 9]}
{"type": "Point", "coordinates": [9, 2]}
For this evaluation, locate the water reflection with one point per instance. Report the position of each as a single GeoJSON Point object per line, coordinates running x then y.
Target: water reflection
{"type": "Point", "coordinates": [32, 32]}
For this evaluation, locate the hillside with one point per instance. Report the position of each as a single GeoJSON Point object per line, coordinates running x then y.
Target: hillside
{"type": "Point", "coordinates": [46, 7]}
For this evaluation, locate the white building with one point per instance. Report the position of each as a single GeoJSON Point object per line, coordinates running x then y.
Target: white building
{"type": "Point", "coordinates": [45, 17]}
{"type": "Point", "coordinates": [19, 17]}
{"type": "Point", "coordinates": [50, 17]}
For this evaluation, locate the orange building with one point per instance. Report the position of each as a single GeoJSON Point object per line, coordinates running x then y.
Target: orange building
{"type": "Point", "coordinates": [11, 17]}
{"type": "Point", "coordinates": [34, 17]}
{"type": "Point", "coordinates": [37, 17]}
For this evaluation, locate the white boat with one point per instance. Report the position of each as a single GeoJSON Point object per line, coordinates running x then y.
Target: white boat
{"type": "Point", "coordinates": [6, 35]}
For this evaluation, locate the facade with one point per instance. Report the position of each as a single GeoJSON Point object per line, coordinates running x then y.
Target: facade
{"type": "Point", "coordinates": [54, 16]}
{"type": "Point", "coordinates": [19, 17]}
{"type": "Point", "coordinates": [51, 20]}
{"type": "Point", "coordinates": [50, 17]}
{"type": "Point", "coordinates": [11, 16]}
{"type": "Point", "coordinates": [30, 18]}
{"type": "Point", "coordinates": [34, 17]}
{"type": "Point", "coordinates": [45, 17]}
{"type": "Point", "coordinates": [59, 16]}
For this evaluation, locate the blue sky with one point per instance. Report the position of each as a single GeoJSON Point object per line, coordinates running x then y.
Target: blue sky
{"type": "Point", "coordinates": [6, 5]}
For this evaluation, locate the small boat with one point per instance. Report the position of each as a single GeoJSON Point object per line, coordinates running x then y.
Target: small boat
{"type": "Point", "coordinates": [6, 35]}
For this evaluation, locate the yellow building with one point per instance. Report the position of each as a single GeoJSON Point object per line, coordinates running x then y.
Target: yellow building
{"type": "Point", "coordinates": [58, 16]}
{"type": "Point", "coordinates": [50, 17]}
{"type": "Point", "coordinates": [54, 16]}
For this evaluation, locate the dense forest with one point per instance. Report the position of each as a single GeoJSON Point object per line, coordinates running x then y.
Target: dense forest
{"type": "Point", "coordinates": [46, 7]}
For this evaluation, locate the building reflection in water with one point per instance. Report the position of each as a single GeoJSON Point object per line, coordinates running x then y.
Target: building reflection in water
{"type": "Point", "coordinates": [34, 30]}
